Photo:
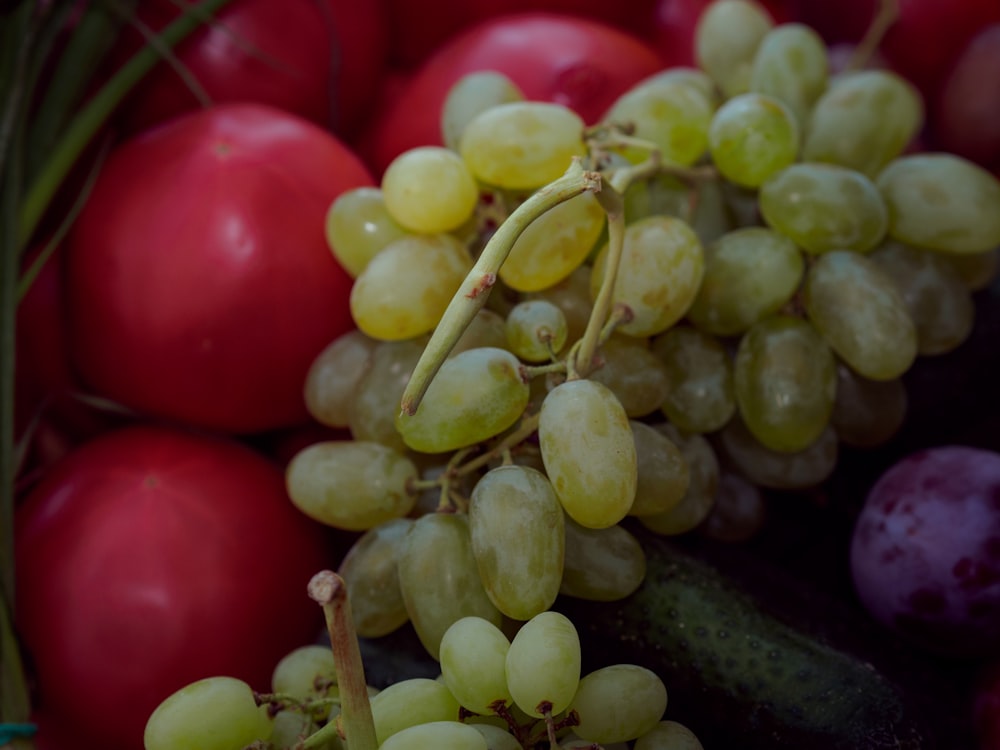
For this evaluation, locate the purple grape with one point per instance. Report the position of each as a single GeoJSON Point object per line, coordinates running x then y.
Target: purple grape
{"type": "Point", "coordinates": [925, 554]}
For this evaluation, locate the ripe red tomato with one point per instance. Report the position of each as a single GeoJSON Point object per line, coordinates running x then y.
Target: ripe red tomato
{"type": "Point", "coordinates": [200, 283]}
{"type": "Point", "coordinates": [149, 558]}
{"type": "Point", "coordinates": [573, 61]}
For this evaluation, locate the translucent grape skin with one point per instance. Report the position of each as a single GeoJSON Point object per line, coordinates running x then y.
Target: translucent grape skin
{"type": "Point", "coordinates": [429, 189]}
{"type": "Point", "coordinates": [752, 137]}
{"type": "Point", "coordinates": [536, 330]}
{"type": "Point", "coordinates": [699, 499]}
{"type": "Point", "coordinates": [726, 39]}
{"type": "Point", "coordinates": [334, 375]}
{"type": "Point", "coordinates": [369, 570]}
{"type": "Point", "coordinates": [867, 413]}
{"type": "Point", "coordinates": [470, 96]}
{"type": "Point", "coordinates": [411, 702]}
{"type": "Point", "coordinates": [473, 664]}
{"type": "Point", "coordinates": [440, 735]}
{"type": "Point", "coordinates": [664, 475]}
{"type": "Point", "coordinates": [358, 226]}
{"type": "Point", "coordinates": [779, 469]}
{"type": "Point", "coordinates": [373, 409]}
{"type": "Point", "coordinates": [791, 65]}
{"type": "Point", "coordinates": [306, 672]}
{"type": "Point", "coordinates": [668, 735]}
{"type": "Point", "coordinates": [637, 377]}
{"type": "Point", "coordinates": [618, 703]}
{"type": "Point", "coordinates": [602, 565]}
{"type": "Point", "coordinates": [543, 664]}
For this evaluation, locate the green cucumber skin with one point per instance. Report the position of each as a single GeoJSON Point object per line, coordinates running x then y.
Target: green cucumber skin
{"type": "Point", "coordinates": [735, 674]}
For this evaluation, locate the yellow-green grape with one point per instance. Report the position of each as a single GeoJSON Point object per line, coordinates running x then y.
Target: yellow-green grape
{"type": "Point", "coordinates": [942, 202]}
{"type": "Point", "coordinates": [695, 77]}
{"type": "Point", "coordinates": [475, 395]}
{"type": "Point", "coordinates": [601, 565]}
{"type": "Point", "coordinates": [369, 570]}
{"type": "Point", "coordinates": [699, 499]}
{"type": "Point", "coordinates": [518, 539]}
{"type": "Point", "coordinates": [439, 579]}
{"type": "Point", "coordinates": [405, 289]}
{"type": "Point", "coordinates": [588, 451]}
{"type": "Point", "coordinates": [618, 703]}
{"type": "Point", "coordinates": [372, 413]}
{"type": "Point", "coordinates": [306, 672]}
{"type": "Point", "coordinates": [662, 266]}
{"type": "Point", "coordinates": [791, 64]}
{"type": "Point", "coordinates": [429, 189]}
{"type": "Point", "coordinates": [536, 330]}
{"type": "Point", "coordinates": [473, 664]}
{"type": "Point", "coordinates": [661, 194]}
{"type": "Point", "coordinates": [497, 737]}
{"type": "Point", "coordinates": [702, 397]}
{"type": "Point", "coordinates": [825, 207]}
{"type": "Point", "coordinates": [859, 311]}
{"type": "Point", "coordinates": [779, 469]}
{"type": "Point", "coordinates": [977, 270]}
{"type": "Point", "coordinates": [572, 296]}
{"type": "Point", "coordinates": [522, 145]}
{"type": "Point", "coordinates": [289, 727]}
{"type": "Point", "coordinates": [411, 702]}
{"type": "Point", "coordinates": [664, 475]}
{"type": "Point", "coordinates": [216, 713]}
{"type": "Point", "coordinates": [351, 485]}
{"type": "Point", "coordinates": [440, 735]}
{"type": "Point", "coordinates": [333, 377]}
{"type": "Point", "coordinates": [750, 273]}
{"type": "Point", "coordinates": [726, 39]}
{"type": "Point", "coordinates": [470, 96]}
{"type": "Point", "coordinates": [867, 413]}
{"type": "Point", "coordinates": [634, 374]}
{"type": "Point", "coordinates": [739, 511]}
{"type": "Point", "coordinates": [786, 380]}
{"type": "Point", "coordinates": [486, 329]}
{"type": "Point", "coordinates": [668, 735]}
{"type": "Point", "coordinates": [543, 664]}
{"type": "Point", "coordinates": [554, 244]}
{"type": "Point", "coordinates": [752, 137]}
{"type": "Point", "coordinates": [670, 113]}
{"type": "Point", "coordinates": [358, 226]}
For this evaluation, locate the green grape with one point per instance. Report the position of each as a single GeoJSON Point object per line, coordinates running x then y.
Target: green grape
{"type": "Point", "coordinates": [701, 397]}
{"type": "Point", "coordinates": [475, 395]}
{"type": "Point", "coordinates": [487, 329]}
{"type": "Point", "coordinates": [942, 202]}
{"type": "Point", "coordinates": [439, 579]}
{"type": "Point", "coordinates": [522, 145]}
{"type": "Point", "coordinates": [752, 137]}
{"type": "Point", "coordinates": [470, 96]}
{"type": "Point", "coordinates": [405, 289]}
{"type": "Point", "coordinates": [786, 380]}
{"type": "Point", "coordinates": [710, 219]}
{"type": "Point", "coordinates": [306, 672]}
{"type": "Point", "coordinates": [636, 376]}
{"type": "Point", "coordinates": [411, 702]}
{"type": "Point", "coordinates": [369, 570]}
{"type": "Point", "coordinates": [695, 77]}
{"type": "Point", "coordinates": [216, 713]}
{"type": "Point", "coordinates": [863, 121]}
{"type": "Point", "coordinates": [742, 204]}
{"type": "Point", "coordinates": [430, 190]}
{"type": "Point", "coordinates": [664, 476]}
{"type": "Point", "coordinates": [372, 413]}
{"type": "Point", "coordinates": [496, 737]}
{"type": "Point", "coordinates": [726, 39]}
{"type": "Point", "coordinates": [699, 499]}
{"type": "Point", "coordinates": [439, 735]}
{"type": "Point", "coordinates": [779, 469]}
{"type": "Point", "coordinates": [351, 485]}
{"type": "Point", "coordinates": [824, 207]}
{"type": "Point", "coordinates": [618, 703]}
{"type": "Point", "coordinates": [518, 538]}
{"type": "Point", "coordinates": [572, 296]}
{"type": "Point", "coordinates": [334, 375]}
{"type": "Point", "coordinates": [661, 270]}
{"type": "Point", "coordinates": [290, 727]}
{"type": "Point", "coordinates": [358, 227]}
{"type": "Point", "coordinates": [861, 314]}
{"type": "Point", "coordinates": [543, 664]}
{"type": "Point", "coordinates": [588, 451]}
{"type": "Point", "coordinates": [739, 511]}
{"type": "Point", "coordinates": [536, 330]}
{"type": "Point", "coordinates": [668, 735]}
{"type": "Point", "coordinates": [867, 413]}
{"type": "Point", "coordinates": [602, 565]}
{"type": "Point", "coordinates": [473, 664]}
{"type": "Point", "coordinates": [976, 270]}
{"type": "Point", "coordinates": [554, 244]}
{"type": "Point", "coordinates": [791, 65]}
{"type": "Point", "coordinates": [750, 273]}
{"type": "Point", "coordinates": [659, 195]}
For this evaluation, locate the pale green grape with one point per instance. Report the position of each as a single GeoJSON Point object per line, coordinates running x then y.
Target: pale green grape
{"type": "Point", "coordinates": [618, 703]}
{"type": "Point", "coordinates": [471, 95]}
{"type": "Point", "coordinates": [496, 737]}
{"type": "Point", "coordinates": [372, 413]}
{"type": "Point", "coordinates": [475, 395]}
{"type": "Point", "coordinates": [752, 137]}
{"type": "Point", "coordinates": [334, 375]}
{"type": "Point", "coordinates": [779, 469]}
{"type": "Point", "coordinates": [439, 735]}
{"type": "Point", "coordinates": [867, 413]}
{"type": "Point", "coordinates": [305, 672]}
{"type": "Point", "coordinates": [668, 735]}
{"type": "Point", "coordinates": [659, 195]}
{"type": "Point", "coordinates": [636, 376]}
{"type": "Point", "coordinates": [518, 539]}
{"type": "Point", "coordinates": [358, 226]}
{"type": "Point", "coordinates": [522, 145]}
{"type": "Point", "coordinates": [429, 189]}
{"type": "Point", "coordinates": [216, 713]}
{"type": "Point", "coordinates": [404, 290]}
{"type": "Point", "coordinates": [572, 296]}
{"type": "Point", "coordinates": [786, 380]}
{"type": "Point", "coordinates": [694, 77]}
{"type": "Point", "coordinates": [439, 579]}
{"type": "Point", "coordinates": [861, 314]}
{"type": "Point", "coordinates": [863, 121]}
{"type": "Point", "coordinates": [602, 565]}
{"type": "Point", "coordinates": [536, 330]}
{"type": "Point", "coordinates": [369, 570]}
{"type": "Point", "coordinates": [698, 501]}
{"type": "Point", "coordinates": [664, 476]}
{"type": "Point", "coordinates": [750, 273]}
{"type": "Point", "coordinates": [977, 270]}
{"type": "Point", "coordinates": [739, 511]}
{"type": "Point", "coordinates": [824, 207]}
{"type": "Point", "coordinates": [543, 664]}
{"type": "Point", "coordinates": [661, 269]}
{"type": "Point", "coordinates": [486, 329]}
{"type": "Point", "coordinates": [588, 451]}
{"type": "Point", "coordinates": [351, 485]}
{"type": "Point", "coordinates": [942, 202]}
{"type": "Point", "coordinates": [701, 397]}
{"type": "Point", "coordinates": [726, 39]}
{"type": "Point", "coordinates": [411, 702]}
{"type": "Point", "coordinates": [290, 727]}
{"type": "Point", "coordinates": [473, 664]}
{"type": "Point", "coordinates": [791, 65]}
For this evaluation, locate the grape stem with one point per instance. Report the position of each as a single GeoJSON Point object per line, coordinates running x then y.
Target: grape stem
{"type": "Point", "coordinates": [886, 15]}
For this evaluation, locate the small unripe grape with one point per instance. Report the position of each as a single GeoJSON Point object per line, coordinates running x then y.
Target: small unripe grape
{"type": "Point", "coordinates": [536, 330]}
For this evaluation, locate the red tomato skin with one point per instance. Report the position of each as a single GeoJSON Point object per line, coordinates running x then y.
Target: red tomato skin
{"type": "Point", "coordinates": [582, 64]}
{"type": "Point", "coordinates": [200, 284]}
{"type": "Point", "coordinates": [152, 557]}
